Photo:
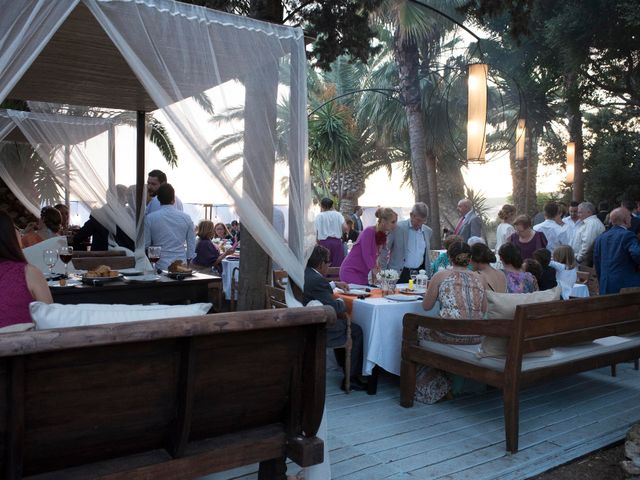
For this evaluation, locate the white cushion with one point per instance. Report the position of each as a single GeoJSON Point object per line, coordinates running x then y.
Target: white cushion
{"type": "Point", "coordinates": [503, 306]}
{"type": "Point", "coordinates": [56, 315]}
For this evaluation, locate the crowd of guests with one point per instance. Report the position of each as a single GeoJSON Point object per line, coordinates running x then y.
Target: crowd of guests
{"type": "Point", "coordinates": [527, 258]}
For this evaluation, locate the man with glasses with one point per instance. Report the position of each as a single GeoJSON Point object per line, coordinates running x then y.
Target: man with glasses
{"type": "Point", "coordinates": [317, 287]}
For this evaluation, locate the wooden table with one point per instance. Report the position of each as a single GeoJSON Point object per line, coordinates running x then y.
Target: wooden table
{"type": "Point", "coordinates": [194, 289]}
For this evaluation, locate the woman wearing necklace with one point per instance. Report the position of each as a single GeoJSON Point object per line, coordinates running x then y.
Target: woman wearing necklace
{"type": "Point", "coordinates": [526, 240]}
{"type": "Point", "coordinates": [364, 255]}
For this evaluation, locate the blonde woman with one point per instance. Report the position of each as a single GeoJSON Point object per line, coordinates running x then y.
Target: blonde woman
{"type": "Point", "coordinates": [207, 254]}
{"type": "Point", "coordinates": [364, 255]}
{"type": "Point", "coordinates": [505, 229]}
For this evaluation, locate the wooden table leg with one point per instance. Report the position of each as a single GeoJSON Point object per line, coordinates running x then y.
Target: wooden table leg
{"type": "Point", "coordinates": [372, 384]}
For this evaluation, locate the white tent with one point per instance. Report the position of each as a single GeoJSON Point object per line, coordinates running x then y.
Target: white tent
{"type": "Point", "coordinates": [146, 55]}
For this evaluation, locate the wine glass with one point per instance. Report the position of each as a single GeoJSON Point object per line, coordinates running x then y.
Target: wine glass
{"type": "Point", "coordinates": [66, 253]}
{"type": "Point", "coordinates": [50, 258]}
{"type": "Point", "coordinates": [154, 255]}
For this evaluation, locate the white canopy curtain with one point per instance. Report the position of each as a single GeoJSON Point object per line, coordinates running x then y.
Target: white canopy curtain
{"type": "Point", "coordinates": [177, 51]}
{"type": "Point", "coordinates": [247, 67]}
{"type": "Point", "coordinates": [76, 155]}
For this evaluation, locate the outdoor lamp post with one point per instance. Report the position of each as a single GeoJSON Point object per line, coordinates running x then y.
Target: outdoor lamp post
{"type": "Point", "coordinates": [520, 138]}
{"type": "Point", "coordinates": [571, 157]}
{"type": "Point", "coordinates": [477, 111]}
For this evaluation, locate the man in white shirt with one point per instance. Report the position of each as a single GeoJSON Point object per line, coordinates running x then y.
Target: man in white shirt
{"type": "Point", "coordinates": [329, 228]}
{"type": "Point", "coordinates": [572, 221]}
{"type": "Point", "coordinates": [154, 180]}
{"type": "Point", "coordinates": [586, 233]}
{"type": "Point", "coordinates": [169, 229]}
{"type": "Point", "coordinates": [552, 227]}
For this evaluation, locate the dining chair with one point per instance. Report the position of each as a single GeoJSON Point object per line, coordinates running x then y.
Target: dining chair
{"type": "Point", "coordinates": [274, 297]}
{"type": "Point", "coordinates": [278, 277]}
{"type": "Point", "coordinates": [592, 280]}
{"type": "Point", "coordinates": [347, 357]}
{"type": "Point", "coordinates": [113, 262]}
{"type": "Point", "coordinates": [234, 289]}
{"type": "Point", "coordinates": [333, 273]}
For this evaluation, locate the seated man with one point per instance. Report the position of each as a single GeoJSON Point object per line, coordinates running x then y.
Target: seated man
{"type": "Point", "coordinates": [317, 287]}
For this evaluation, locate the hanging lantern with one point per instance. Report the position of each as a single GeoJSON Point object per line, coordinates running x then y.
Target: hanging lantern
{"type": "Point", "coordinates": [571, 157]}
{"type": "Point", "coordinates": [477, 112]}
{"type": "Point", "coordinates": [520, 139]}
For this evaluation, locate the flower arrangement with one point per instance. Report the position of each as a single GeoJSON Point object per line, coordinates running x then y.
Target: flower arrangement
{"type": "Point", "coordinates": [388, 275]}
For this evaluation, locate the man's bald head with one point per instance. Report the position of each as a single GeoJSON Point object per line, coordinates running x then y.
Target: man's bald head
{"type": "Point", "coordinates": [464, 206]}
{"type": "Point", "coordinates": [620, 216]}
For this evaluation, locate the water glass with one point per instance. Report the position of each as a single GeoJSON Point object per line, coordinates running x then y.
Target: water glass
{"type": "Point", "coordinates": [50, 258]}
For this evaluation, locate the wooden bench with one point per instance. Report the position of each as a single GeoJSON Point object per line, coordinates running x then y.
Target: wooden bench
{"type": "Point", "coordinates": [535, 327]}
{"type": "Point", "coordinates": [170, 399]}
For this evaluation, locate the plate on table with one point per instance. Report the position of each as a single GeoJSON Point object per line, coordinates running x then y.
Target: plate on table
{"type": "Point", "coordinates": [357, 293]}
{"type": "Point", "coordinates": [100, 280]}
{"type": "Point", "coordinates": [232, 257]}
{"type": "Point", "coordinates": [415, 291]}
{"type": "Point", "coordinates": [142, 278]}
{"type": "Point", "coordinates": [130, 272]}
{"type": "Point", "coordinates": [68, 283]}
{"type": "Point", "coordinates": [403, 298]}
{"type": "Point", "coordinates": [51, 277]}
{"type": "Point", "coordinates": [179, 275]}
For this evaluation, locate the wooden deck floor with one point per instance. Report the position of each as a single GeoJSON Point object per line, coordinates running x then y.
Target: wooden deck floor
{"type": "Point", "coordinates": [372, 437]}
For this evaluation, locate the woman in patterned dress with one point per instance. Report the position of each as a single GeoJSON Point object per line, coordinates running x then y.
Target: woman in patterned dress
{"type": "Point", "coordinates": [461, 295]}
{"type": "Point", "coordinates": [517, 280]}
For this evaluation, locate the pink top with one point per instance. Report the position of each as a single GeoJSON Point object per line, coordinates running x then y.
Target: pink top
{"type": "Point", "coordinates": [362, 258]}
{"type": "Point", "coordinates": [14, 294]}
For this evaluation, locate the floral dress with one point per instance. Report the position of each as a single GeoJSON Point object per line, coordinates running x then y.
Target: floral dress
{"type": "Point", "coordinates": [461, 295]}
{"type": "Point", "coordinates": [520, 282]}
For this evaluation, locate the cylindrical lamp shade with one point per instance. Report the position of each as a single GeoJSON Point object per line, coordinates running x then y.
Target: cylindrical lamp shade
{"type": "Point", "coordinates": [521, 130]}
{"type": "Point", "coordinates": [477, 112]}
{"type": "Point", "coordinates": [571, 158]}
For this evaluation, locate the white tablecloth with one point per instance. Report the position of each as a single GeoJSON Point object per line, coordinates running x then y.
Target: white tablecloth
{"type": "Point", "coordinates": [381, 322]}
{"type": "Point", "coordinates": [580, 290]}
{"type": "Point", "coordinates": [227, 270]}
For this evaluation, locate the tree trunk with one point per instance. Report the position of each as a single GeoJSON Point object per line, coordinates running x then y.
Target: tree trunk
{"type": "Point", "coordinates": [259, 160]}
{"type": "Point", "coordinates": [450, 191]}
{"type": "Point", "coordinates": [524, 175]}
{"type": "Point", "coordinates": [423, 166]}
{"type": "Point", "coordinates": [574, 118]}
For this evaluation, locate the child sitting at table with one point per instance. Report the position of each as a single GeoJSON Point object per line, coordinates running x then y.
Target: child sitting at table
{"type": "Point", "coordinates": [566, 267]}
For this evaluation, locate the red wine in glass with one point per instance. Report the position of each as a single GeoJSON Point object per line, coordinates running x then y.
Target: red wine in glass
{"type": "Point", "coordinates": [154, 260]}
{"type": "Point", "coordinates": [65, 254]}
{"type": "Point", "coordinates": [66, 258]}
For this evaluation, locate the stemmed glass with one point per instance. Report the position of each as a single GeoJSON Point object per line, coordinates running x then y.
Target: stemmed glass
{"type": "Point", "coordinates": [66, 253]}
{"type": "Point", "coordinates": [154, 255]}
{"type": "Point", "coordinates": [413, 274]}
{"type": "Point", "coordinates": [50, 258]}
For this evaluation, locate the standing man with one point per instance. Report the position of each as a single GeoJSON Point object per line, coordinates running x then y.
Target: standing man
{"type": "Point", "coordinates": [169, 229]}
{"type": "Point", "coordinates": [552, 227]}
{"type": "Point", "coordinates": [356, 216]}
{"type": "Point", "coordinates": [469, 224]}
{"type": "Point", "coordinates": [616, 255]}
{"type": "Point", "coordinates": [410, 242]}
{"type": "Point", "coordinates": [154, 180]}
{"type": "Point", "coordinates": [585, 233]}
{"type": "Point", "coordinates": [329, 227]}
{"type": "Point", "coordinates": [630, 205]}
{"type": "Point", "coordinates": [571, 221]}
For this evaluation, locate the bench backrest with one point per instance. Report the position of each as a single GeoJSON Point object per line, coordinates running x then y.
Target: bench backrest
{"type": "Point", "coordinates": [76, 396]}
{"type": "Point", "coordinates": [552, 324]}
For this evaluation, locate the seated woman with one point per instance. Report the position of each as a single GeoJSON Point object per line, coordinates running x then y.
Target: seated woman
{"type": "Point", "coordinates": [221, 232]}
{"type": "Point", "coordinates": [517, 280]}
{"type": "Point", "coordinates": [20, 283]}
{"type": "Point", "coordinates": [363, 257]}
{"type": "Point", "coordinates": [207, 254]}
{"type": "Point", "coordinates": [492, 279]}
{"type": "Point", "coordinates": [442, 261]}
{"type": "Point", "coordinates": [49, 226]}
{"type": "Point", "coordinates": [461, 295]}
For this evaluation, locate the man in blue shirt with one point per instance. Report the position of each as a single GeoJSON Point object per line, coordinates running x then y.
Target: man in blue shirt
{"type": "Point", "coordinates": [616, 254]}
{"type": "Point", "coordinates": [154, 180]}
{"type": "Point", "coordinates": [169, 229]}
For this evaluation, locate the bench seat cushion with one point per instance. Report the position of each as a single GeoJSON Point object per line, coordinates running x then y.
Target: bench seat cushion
{"type": "Point", "coordinates": [56, 315]}
{"type": "Point", "coordinates": [560, 355]}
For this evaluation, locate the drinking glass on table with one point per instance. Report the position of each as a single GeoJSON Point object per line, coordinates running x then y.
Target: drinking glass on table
{"type": "Point", "coordinates": [50, 258]}
{"type": "Point", "coordinates": [413, 274]}
{"type": "Point", "coordinates": [154, 255]}
{"type": "Point", "coordinates": [65, 255]}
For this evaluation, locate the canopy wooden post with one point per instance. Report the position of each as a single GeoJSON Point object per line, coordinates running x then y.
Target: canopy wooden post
{"type": "Point", "coordinates": [140, 180]}
{"type": "Point", "coordinates": [67, 174]}
{"type": "Point", "coordinates": [112, 159]}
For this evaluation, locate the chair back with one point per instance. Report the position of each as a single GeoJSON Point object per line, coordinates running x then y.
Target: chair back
{"type": "Point", "coordinates": [333, 273]}
{"type": "Point", "coordinates": [34, 253]}
{"type": "Point", "coordinates": [111, 261]}
{"type": "Point", "coordinates": [274, 297]}
{"type": "Point", "coordinates": [280, 278]}
{"type": "Point", "coordinates": [592, 279]}
{"type": "Point", "coordinates": [234, 288]}
{"type": "Point", "coordinates": [101, 253]}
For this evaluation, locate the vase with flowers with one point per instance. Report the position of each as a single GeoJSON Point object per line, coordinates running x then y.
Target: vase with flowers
{"type": "Point", "coordinates": [388, 280]}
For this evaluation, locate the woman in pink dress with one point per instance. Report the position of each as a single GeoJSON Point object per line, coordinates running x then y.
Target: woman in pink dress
{"type": "Point", "coordinates": [20, 283]}
{"type": "Point", "coordinates": [364, 255]}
